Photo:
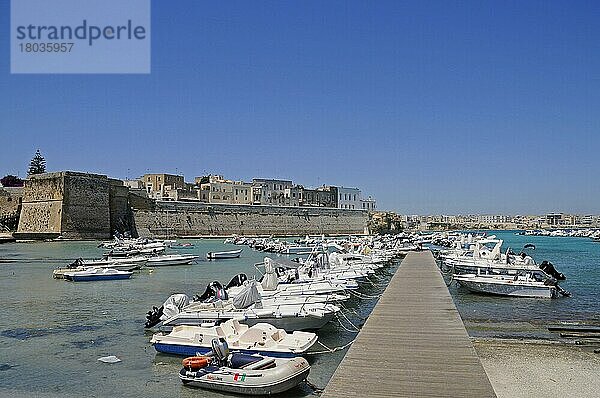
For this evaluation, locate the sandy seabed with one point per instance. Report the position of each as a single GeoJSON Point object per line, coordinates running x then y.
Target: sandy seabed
{"type": "Point", "coordinates": [540, 369]}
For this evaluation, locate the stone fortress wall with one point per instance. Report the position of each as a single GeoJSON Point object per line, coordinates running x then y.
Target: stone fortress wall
{"type": "Point", "coordinates": [68, 204]}
{"type": "Point", "coordinates": [74, 205]}
{"type": "Point", "coordinates": [194, 219]}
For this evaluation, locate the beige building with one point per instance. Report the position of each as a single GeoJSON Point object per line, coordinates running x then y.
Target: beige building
{"type": "Point", "coordinates": [159, 185]}
{"type": "Point", "coordinates": [220, 190]}
{"type": "Point", "coordinates": [274, 192]}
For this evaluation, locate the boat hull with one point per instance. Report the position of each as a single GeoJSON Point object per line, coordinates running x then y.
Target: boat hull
{"type": "Point", "coordinates": [249, 382]}
{"type": "Point", "coordinates": [192, 350]}
{"type": "Point", "coordinates": [508, 290]}
{"type": "Point", "coordinates": [92, 278]}
{"type": "Point", "coordinates": [223, 255]}
{"type": "Point", "coordinates": [287, 323]}
{"type": "Point", "coordinates": [184, 260]}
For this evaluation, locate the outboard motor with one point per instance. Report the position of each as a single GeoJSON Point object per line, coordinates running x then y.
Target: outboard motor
{"type": "Point", "coordinates": [76, 263]}
{"type": "Point", "coordinates": [172, 306]}
{"type": "Point", "coordinates": [548, 268]}
{"type": "Point", "coordinates": [220, 350]}
{"type": "Point", "coordinates": [153, 317]}
{"type": "Point", "coordinates": [237, 280]}
{"type": "Point", "coordinates": [212, 291]}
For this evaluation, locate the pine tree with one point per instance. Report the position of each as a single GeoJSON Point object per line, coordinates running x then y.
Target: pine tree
{"type": "Point", "coordinates": [37, 164]}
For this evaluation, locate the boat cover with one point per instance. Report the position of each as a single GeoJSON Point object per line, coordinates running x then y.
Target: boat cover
{"type": "Point", "coordinates": [269, 281]}
{"type": "Point", "coordinates": [248, 296]}
{"type": "Point", "coordinates": [174, 305]}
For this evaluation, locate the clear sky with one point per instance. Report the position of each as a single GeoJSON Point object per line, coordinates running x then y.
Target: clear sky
{"type": "Point", "coordinates": [431, 107]}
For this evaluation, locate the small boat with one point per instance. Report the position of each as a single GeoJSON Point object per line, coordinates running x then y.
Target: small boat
{"type": "Point", "coordinates": [298, 250]}
{"type": "Point", "coordinates": [171, 259]}
{"type": "Point", "coordinates": [97, 274]}
{"type": "Point", "coordinates": [510, 285]}
{"type": "Point", "coordinates": [225, 254]}
{"type": "Point", "coordinates": [181, 246]}
{"type": "Point", "coordinates": [242, 373]}
{"type": "Point", "coordinates": [114, 261]}
{"type": "Point", "coordinates": [290, 316]}
{"type": "Point", "coordinates": [262, 339]}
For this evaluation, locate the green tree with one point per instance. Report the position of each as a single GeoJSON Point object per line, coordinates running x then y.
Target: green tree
{"type": "Point", "coordinates": [37, 164]}
{"type": "Point", "coordinates": [11, 181]}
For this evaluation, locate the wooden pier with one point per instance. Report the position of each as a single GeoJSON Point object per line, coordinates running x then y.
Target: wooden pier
{"type": "Point", "coordinates": [414, 343]}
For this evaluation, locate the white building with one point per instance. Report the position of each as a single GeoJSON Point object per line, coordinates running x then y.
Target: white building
{"type": "Point", "coordinates": [274, 192]}
{"type": "Point", "coordinates": [349, 198]}
{"type": "Point", "coordinates": [220, 190]}
{"type": "Point", "coordinates": [368, 204]}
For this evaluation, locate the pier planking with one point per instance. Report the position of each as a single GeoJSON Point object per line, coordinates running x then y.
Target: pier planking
{"type": "Point", "coordinates": [414, 343]}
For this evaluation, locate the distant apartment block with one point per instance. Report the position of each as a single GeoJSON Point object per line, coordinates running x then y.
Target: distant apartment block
{"type": "Point", "coordinates": [219, 190]}
{"type": "Point", "coordinates": [158, 186]}
{"type": "Point", "coordinates": [261, 191]}
{"type": "Point", "coordinates": [349, 198]}
{"type": "Point", "coordinates": [274, 192]}
{"type": "Point", "coordinates": [368, 204]}
{"type": "Point", "coordinates": [325, 196]}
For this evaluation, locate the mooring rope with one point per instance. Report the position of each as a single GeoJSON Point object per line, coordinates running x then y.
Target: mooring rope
{"type": "Point", "coordinates": [356, 330]}
{"type": "Point", "coordinates": [329, 350]}
{"type": "Point", "coordinates": [362, 295]}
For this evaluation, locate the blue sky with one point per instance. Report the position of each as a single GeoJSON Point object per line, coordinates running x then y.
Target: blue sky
{"type": "Point", "coordinates": [431, 107]}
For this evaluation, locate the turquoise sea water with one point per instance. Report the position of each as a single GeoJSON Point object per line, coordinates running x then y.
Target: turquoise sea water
{"type": "Point", "coordinates": [52, 331]}
{"type": "Point", "coordinates": [577, 258]}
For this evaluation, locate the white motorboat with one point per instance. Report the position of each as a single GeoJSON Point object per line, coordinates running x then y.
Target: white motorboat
{"type": "Point", "coordinates": [96, 274]}
{"type": "Point", "coordinates": [59, 273]}
{"type": "Point", "coordinates": [478, 258]}
{"type": "Point", "coordinates": [115, 261]}
{"type": "Point", "coordinates": [247, 308]}
{"type": "Point", "coordinates": [242, 373]}
{"type": "Point", "coordinates": [171, 259]}
{"type": "Point", "coordinates": [298, 250]}
{"type": "Point", "coordinates": [262, 338]}
{"type": "Point", "coordinates": [324, 287]}
{"type": "Point", "coordinates": [507, 285]}
{"type": "Point", "coordinates": [224, 254]}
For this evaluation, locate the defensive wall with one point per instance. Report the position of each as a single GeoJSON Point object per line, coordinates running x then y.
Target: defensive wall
{"type": "Point", "coordinates": [10, 208]}
{"type": "Point", "coordinates": [199, 219]}
{"type": "Point", "coordinates": [74, 205]}
{"type": "Point", "coordinates": [71, 205]}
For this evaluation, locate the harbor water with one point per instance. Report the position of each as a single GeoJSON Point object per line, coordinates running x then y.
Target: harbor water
{"type": "Point", "coordinates": [509, 317]}
{"type": "Point", "coordinates": [52, 331]}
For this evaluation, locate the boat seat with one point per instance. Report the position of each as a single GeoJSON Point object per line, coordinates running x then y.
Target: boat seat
{"type": "Point", "coordinates": [279, 335]}
{"type": "Point", "coordinates": [264, 363]}
{"type": "Point", "coordinates": [227, 329]}
{"type": "Point", "coordinates": [241, 361]}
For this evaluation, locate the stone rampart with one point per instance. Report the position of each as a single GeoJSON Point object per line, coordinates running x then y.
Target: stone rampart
{"type": "Point", "coordinates": [196, 219]}
{"type": "Point", "coordinates": [90, 206]}
{"type": "Point", "coordinates": [67, 204]}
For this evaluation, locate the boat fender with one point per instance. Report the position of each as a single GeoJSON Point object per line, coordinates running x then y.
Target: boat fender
{"type": "Point", "coordinates": [195, 363]}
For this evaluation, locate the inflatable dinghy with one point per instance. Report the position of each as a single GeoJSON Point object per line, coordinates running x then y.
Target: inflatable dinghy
{"type": "Point", "coordinates": [242, 373]}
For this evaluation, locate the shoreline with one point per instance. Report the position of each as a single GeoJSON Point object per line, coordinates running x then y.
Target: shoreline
{"type": "Point", "coordinates": [536, 368]}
